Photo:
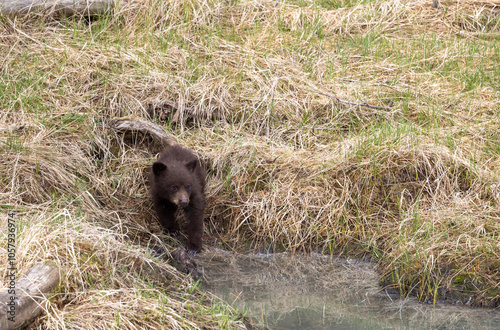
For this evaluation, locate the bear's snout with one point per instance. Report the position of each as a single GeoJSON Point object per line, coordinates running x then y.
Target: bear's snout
{"type": "Point", "coordinates": [184, 201]}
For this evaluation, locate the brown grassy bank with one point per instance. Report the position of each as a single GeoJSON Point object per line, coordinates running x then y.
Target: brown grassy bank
{"type": "Point", "coordinates": [413, 183]}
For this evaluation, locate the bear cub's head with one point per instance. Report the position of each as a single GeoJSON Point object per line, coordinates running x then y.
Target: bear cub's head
{"type": "Point", "coordinates": [174, 181]}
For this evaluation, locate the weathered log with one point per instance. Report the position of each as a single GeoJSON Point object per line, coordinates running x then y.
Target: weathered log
{"type": "Point", "coordinates": [135, 124]}
{"type": "Point", "coordinates": [56, 7]}
{"type": "Point", "coordinates": [21, 303]}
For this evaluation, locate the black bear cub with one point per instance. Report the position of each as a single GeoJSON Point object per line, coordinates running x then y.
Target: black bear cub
{"type": "Point", "coordinates": [178, 180]}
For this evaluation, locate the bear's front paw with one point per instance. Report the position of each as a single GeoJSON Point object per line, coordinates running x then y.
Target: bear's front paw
{"type": "Point", "coordinates": [193, 248]}
{"type": "Point", "coordinates": [172, 232]}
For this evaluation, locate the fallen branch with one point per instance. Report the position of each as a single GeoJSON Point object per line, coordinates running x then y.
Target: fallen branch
{"type": "Point", "coordinates": [363, 104]}
{"type": "Point", "coordinates": [22, 303]}
{"type": "Point", "coordinates": [56, 7]}
{"type": "Point", "coordinates": [137, 124]}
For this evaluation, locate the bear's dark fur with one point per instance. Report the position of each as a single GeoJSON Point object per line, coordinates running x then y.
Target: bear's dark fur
{"type": "Point", "coordinates": [178, 180]}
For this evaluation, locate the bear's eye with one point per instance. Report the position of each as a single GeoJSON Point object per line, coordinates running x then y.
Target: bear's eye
{"type": "Point", "coordinates": [174, 188]}
{"type": "Point", "coordinates": [188, 188]}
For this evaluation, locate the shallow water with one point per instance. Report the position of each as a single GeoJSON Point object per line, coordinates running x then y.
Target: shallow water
{"type": "Point", "coordinates": [281, 291]}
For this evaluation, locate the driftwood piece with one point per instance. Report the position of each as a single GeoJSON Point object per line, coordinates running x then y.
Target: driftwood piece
{"type": "Point", "coordinates": [29, 290]}
{"type": "Point", "coordinates": [139, 125]}
{"type": "Point", "coordinates": [56, 7]}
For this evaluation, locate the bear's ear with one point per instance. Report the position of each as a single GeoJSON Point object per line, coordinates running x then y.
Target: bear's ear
{"type": "Point", "coordinates": [159, 167]}
{"type": "Point", "coordinates": [192, 165]}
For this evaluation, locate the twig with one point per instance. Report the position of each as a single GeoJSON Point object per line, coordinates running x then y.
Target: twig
{"type": "Point", "coordinates": [363, 104]}
{"type": "Point", "coordinates": [480, 35]}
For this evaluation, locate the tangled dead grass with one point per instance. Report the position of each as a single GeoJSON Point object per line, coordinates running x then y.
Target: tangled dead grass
{"type": "Point", "coordinates": [76, 209]}
{"type": "Point", "coordinates": [415, 185]}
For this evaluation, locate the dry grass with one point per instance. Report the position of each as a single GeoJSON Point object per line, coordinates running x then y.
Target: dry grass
{"type": "Point", "coordinates": [82, 210]}
{"type": "Point", "coordinates": [415, 185]}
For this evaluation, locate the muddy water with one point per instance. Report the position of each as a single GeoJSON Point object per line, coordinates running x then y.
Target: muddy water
{"type": "Point", "coordinates": [281, 291]}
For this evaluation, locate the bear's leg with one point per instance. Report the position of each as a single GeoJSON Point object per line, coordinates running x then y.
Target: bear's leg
{"type": "Point", "coordinates": [194, 219]}
{"type": "Point", "coordinates": [166, 215]}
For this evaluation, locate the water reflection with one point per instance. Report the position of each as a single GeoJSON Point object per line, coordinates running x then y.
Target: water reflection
{"type": "Point", "coordinates": [281, 291]}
